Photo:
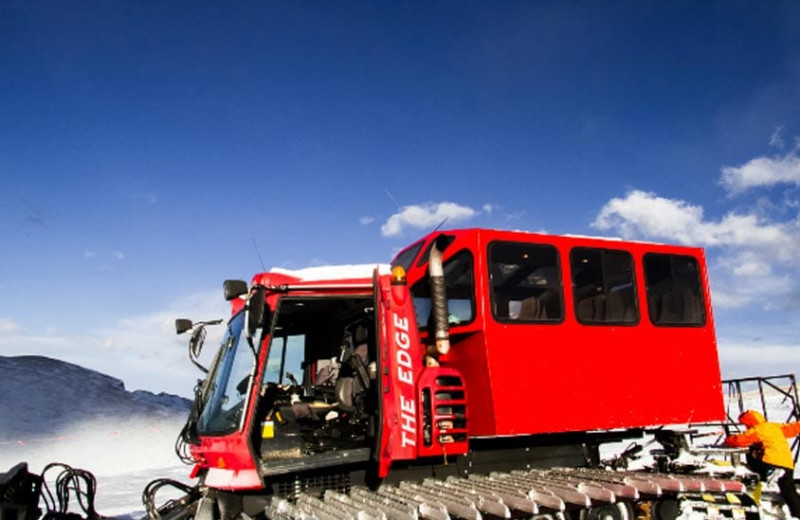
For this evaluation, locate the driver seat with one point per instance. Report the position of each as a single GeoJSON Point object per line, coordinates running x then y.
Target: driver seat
{"type": "Point", "coordinates": [353, 379]}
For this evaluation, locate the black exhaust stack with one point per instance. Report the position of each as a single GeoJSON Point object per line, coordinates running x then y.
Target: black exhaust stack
{"type": "Point", "coordinates": [439, 311]}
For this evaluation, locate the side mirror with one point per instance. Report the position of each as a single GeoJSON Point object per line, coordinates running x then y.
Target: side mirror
{"type": "Point", "coordinates": [182, 325]}
{"type": "Point", "coordinates": [234, 289]}
{"type": "Point", "coordinates": [198, 337]}
{"type": "Point", "coordinates": [196, 343]}
{"type": "Point", "coordinates": [256, 309]}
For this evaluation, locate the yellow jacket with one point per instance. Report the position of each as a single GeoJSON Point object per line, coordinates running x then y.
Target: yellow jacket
{"type": "Point", "coordinates": [772, 436]}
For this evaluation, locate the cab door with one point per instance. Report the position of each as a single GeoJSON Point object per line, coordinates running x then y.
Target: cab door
{"type": "Point", "coordinates": [400, 365]}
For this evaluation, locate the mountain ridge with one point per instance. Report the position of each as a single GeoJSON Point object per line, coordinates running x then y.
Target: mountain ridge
{"type": "Point", "coordinates": [40, 394]}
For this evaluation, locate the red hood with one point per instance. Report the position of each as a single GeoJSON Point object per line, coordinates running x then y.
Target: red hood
{"type": "Point", "coordinates": [751, 418]}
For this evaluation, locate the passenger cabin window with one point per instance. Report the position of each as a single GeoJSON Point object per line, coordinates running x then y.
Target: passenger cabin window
{"type": "Point", "coordinates": [674, 290]}
{"type": "Point", "coordinates": [603, 286]}
{"type": "Point", "coordinates": [458, 279]}
{"type": "Point", "coordinates": [525, 281]}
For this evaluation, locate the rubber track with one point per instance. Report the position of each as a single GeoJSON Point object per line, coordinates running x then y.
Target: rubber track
{"type": "Point", "coordinates": [501, 495]}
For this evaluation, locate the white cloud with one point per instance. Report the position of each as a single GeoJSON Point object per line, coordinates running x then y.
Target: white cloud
{"type": "Point", "coordinates": [8, 327]}
{"type": "Point", "coordinates": [752, 268]}
{"type": "Point", "coordinates": [776, 139]}
{"type": "Point", "coordinates": [488, 208]}
{"type": "Point", "coordinates": [722, 298]}
{"type": "Point", "coordinates": [762, 171]}
{"type": "Point", "coordinates": [747, 264]}
{"type": "Point", "coordinates": [425, 216]}
{"type": "Point", "coordinates": [365, 221]}
{"type": "Point", "coordinates": [757, 256]}
{"type": "Point", "coordinates": [144, 351]}
{"type": "Point", "coordinates": [643, 214]}
{"type": "Point", "coordinates": [119, 255]}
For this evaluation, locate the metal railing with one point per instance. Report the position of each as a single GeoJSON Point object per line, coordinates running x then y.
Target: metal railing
{"type": "Point", "coordinates": [775, 397]}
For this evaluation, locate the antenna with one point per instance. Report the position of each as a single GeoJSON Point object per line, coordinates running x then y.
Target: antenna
{"type": "Point", "coordinates": [440, 225]}
{"type": "Point", "coordinates": [258, 253]}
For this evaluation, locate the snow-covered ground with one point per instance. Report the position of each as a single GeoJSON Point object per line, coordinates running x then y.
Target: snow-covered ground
{"type": "Point", "coordinates": [771, 401]}
{"type": "Point", "coordinates": [124, 455]}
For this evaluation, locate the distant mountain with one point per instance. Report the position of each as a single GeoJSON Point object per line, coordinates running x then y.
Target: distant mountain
{"type": "Point", "coordinates": [40, 395]}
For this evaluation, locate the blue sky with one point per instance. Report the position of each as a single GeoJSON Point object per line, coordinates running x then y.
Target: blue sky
{"type": "Point", "coordinates": [149, 150]}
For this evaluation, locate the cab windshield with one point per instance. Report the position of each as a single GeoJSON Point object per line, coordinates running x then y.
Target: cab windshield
{"type": "Point", "coordinates": [230, 384]}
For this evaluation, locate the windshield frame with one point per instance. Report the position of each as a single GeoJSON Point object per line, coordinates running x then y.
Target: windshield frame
{"type": "Point", "coordinates": [233, 364]}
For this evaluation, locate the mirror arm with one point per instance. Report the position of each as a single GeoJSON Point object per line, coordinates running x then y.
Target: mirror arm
{"type": "Point", "coordinates": [198, 365]}
{"type": "Point", "coordinates": [247, 332]}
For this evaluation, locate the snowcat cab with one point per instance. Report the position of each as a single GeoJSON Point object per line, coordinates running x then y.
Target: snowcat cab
{"type": "Point", "coordinates": [321, 377]}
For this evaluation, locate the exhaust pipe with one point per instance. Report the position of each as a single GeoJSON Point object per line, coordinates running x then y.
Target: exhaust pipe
{"type": "Point", "coordinates": [439, 311]}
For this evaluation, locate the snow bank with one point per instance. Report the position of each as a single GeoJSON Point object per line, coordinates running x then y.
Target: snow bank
{"type": "Point", "coordinates": [52, 411]}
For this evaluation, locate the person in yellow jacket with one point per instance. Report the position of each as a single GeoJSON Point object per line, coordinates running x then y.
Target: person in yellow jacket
{"type": "Point", "coordinates": [770, 452]}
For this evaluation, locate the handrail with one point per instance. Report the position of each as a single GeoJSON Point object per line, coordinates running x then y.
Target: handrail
{"type": "Point", "coordinates": [784, 386]}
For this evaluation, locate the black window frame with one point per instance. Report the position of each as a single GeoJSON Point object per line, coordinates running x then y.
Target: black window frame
{"type": "Point", "coordinates": [655, 301]}
{"type": "Point", "coordinates": [580, 286]}
{"type": "Point", "coordinates": [558, 287]}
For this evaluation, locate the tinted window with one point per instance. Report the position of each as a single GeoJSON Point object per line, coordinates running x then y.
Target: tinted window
{"type": "Point", "coordinates": [674, 293]}
{"type": "Point", "coordinates": [405, 258]}
{"type": "Point", "coordinates": [458, 279]}
{"type": "Point", "coordinates": [525, 281]}
{"type": "Point", "coordinates": [603, 286]}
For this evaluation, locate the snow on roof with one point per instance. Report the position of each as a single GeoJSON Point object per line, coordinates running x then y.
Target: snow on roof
{"type": "Point", "coordinates": [334, 272]}
{"type": "Point", "coordinates": [592, 237]}
{"type": "Point", "coordinates": [619, 239]}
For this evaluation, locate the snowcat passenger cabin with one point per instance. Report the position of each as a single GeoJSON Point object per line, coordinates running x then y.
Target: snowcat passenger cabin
{"type": "Point", "coordinates": [556, 334]}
